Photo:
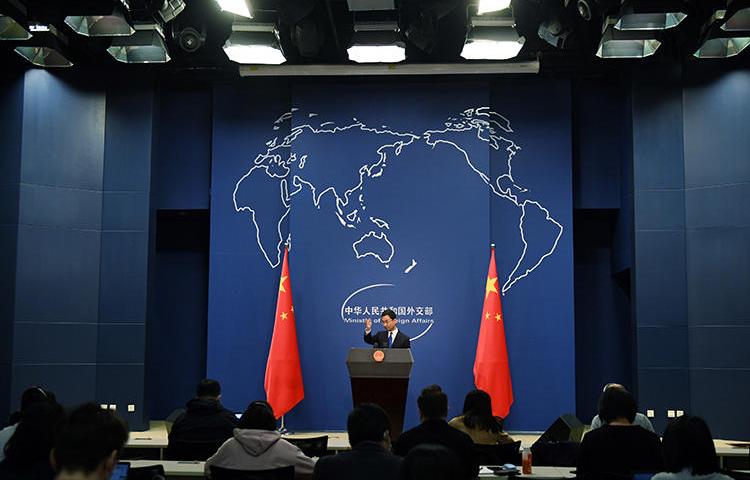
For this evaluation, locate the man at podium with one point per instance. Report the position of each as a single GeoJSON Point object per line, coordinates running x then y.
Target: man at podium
{"type": "Point", "coordinates": [391, 337]}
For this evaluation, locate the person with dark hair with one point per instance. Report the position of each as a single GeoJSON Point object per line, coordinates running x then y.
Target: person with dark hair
{"type": "Point", "coordinates": [689, 452]}
{"type": "Point", "coordinates": [88, 443]}
{"type": "Point", "coordinates": [619, 447]}
{"type": "Point", "coordinates": [391, 337]}
{"type": "Point", "coordinates": [203, 427]}
{"type": "Point", "coordinates": [433, 409]}
{"type": "Point", "coordinates": [640, 419]}
{"type": "Point", "coordinates": [27, 453]}
{"type": "Point", "coordinates": [370, 457]}
{"type": "Point", "coordinates": [29, 397]}
{"type": "Point", "coordinates": [431, 462]}
{"type": "Point", "coordinates": [478, 422]}
{"type": "Point", "coordinates": [256, 445]}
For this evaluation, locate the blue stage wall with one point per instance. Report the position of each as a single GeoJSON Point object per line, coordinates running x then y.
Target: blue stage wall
{"type": "Point", "coordinates": [391, 194]}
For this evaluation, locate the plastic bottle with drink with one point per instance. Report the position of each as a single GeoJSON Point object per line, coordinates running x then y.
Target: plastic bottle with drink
{"type": "Point", "coordinates": [526, 461]}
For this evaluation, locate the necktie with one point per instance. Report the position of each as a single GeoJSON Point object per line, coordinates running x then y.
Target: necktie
{"type": "Point", "coordinates": [390, 339]}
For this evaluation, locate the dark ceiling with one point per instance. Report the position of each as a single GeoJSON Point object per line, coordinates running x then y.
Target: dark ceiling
{"type": "Point", "coordinates": [319, 31]}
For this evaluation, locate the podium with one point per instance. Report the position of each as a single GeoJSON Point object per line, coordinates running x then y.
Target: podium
{"type": "Point", "coordinates": [384, 382]}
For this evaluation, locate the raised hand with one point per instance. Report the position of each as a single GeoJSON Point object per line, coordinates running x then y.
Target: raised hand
{"type": "Point", "coordinates": [368, 325]}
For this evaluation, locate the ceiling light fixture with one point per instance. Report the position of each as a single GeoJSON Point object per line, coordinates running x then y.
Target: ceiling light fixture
{"type": "Point", "coordinates": [237, 7]}
{"type": "Point", "coordinates": [377, 42]}
{"type": "Point", "coordinates": [10, 29]}
{"type": "Point", "coordinates": [146, 45]}
{"type": "Point", "coordinates": [487, 6]}
{"type": "Point", "coordinates": [45, 47]}
{"type": "Point", "coordinates": [719, 42]}
{"type": "Point", "coordinates": [492, 39]}
{"type": "Point", "coordinates": [650, 15]}
{"type": "Point", "coordinates": [254, 43]}
{"type": "Point", "coordinates": [100, 24]}
{"type": "Point", "coordinates": [625, 43]}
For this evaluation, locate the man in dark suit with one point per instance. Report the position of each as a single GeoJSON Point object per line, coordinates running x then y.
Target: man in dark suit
{"type": "Point", "coordinates": [433, 408]}
{"type": "Point", "coordinates": [391, 337]}
{"type": "Point", "coordinates": [370, 456]}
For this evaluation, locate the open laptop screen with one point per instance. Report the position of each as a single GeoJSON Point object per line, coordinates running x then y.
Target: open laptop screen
{"type": "Point", "coordinates": [120, 472]}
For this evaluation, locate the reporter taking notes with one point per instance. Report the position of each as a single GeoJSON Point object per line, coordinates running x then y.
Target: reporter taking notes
{"type": "Point", "coordinates": [391, 337]}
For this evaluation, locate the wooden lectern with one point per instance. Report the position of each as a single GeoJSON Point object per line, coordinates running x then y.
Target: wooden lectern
{"type": "Point", "coordinates": [383, 382]}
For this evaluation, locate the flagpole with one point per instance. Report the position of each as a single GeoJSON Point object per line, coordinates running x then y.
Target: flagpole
{"type": "Point", "coordinates": [282, 429]}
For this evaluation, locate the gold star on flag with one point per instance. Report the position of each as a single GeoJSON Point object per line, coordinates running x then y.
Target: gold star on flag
{"type": "Point", "coordinates": [284, 315]}
{"type": "Point", "coordinates": [491, 286]}
{"type": "Point", "coordinates": [281, 284]}
{"type": "Point", "coordinates": [487, 315]}
{"type": "Point", "coordinates": [498, 317]}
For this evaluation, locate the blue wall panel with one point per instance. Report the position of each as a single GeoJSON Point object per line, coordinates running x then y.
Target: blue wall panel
{"type": "Point", "coordinates": [181, 305]}
{"type": "Point", "coordinates": [720, 396]}
{"type": "Point", "coordinates": [57, 151]}
{"type": "Point", "coordinates": [660, 277]}
{"type": "Point", "coordinates": [123, 277]}
{"type": "Point", "coordinates": [72, 384]}
{"type": "Point", "coordinates": [718, 260]}
{"type": "Point", "coordinates": [58, 274]}
{"type": "Point", "coordinates": [435, 199]}
{"type": "Point", "coordinates": [662, 346]}
{"type": "Point", "coordinates": [183, 157]}
{"type": "Point", "coordinates": [61, 207]}
{"type": "Point", "coordinates": [40, 343]}
{"type": "Point", "coordinates": [716, 140]}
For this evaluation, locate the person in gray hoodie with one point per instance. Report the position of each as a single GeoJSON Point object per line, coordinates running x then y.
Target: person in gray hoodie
{"type": "Point", "coordinates": [256, 445]}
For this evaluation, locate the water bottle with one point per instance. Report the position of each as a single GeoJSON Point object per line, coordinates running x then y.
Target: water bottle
{"type": "Point", "coordinates": [526, 461]}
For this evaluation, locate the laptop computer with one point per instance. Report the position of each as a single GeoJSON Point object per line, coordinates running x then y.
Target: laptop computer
{"type": "Point", "coordinates": [121, 471]}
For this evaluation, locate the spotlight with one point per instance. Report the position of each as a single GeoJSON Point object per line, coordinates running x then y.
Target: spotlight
{"type": "Point", "coordinates": [650, 15]}
{"type": "Point", "coordinates": [722, 47]}
{"type": "Point", "coordinates": [585, 9]}
{"type": "Point", "coordinates": [554, 33]}
{"type": "Point", "coordinates": [45, 47]}
{"type": "Point", "coordinates": [492, 39]}
{"type": "Point", "coordinates": [720, 43]}
{"type": "Point", "coordinates": [12, 30]}
{"type": "Point", "coordinates": [486, 6]}
{"type": "Point", "coordinates": [237, 7]}
{"type": "Point", "coordinates": [146, 45]}
{"type": "Point", "coordinates": [625, 44]}
{"type": "Point", "coordinates": [254, 43]}
{"type": "Point", "coordinates": [376, 42]}
{"type": "Point", "coordinates": [170, 9]}
{"type": "Point", "coordinates": [738, 16]}
{"type": "Point", "coordinates": [189, 38]}
{"type": "Point", "coordinates": [98, 24]}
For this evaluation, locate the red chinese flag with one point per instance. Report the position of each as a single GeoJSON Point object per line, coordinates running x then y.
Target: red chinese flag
{"type": "Point", "coordinates": [283, 383]}
{"type": "Point", "coordinates": [491, 370]}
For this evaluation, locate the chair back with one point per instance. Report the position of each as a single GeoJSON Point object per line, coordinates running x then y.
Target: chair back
{"type": "Point", "coordinates": [191, 449]}
{"type": "Point", "coordinates": [498, 454]}
{"type": "Point", "coordinates": [312, 446]}
{"type": "Point", "coordinates": [150, 472]}
{"type": "Point", "coordinates": [283, 473]}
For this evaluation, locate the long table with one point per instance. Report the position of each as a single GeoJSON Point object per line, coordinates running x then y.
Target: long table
{"type": "Point", "coordinates": [157, 438]}
{"type": "Point", "coordinates": [178, 470]}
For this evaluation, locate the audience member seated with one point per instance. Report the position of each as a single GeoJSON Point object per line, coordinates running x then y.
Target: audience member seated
{"type": "Point", "coordinates": [478, 421]}
{"type": "Point", "coordinates": [619, 447]}
{"type": "Point", "coordinates": [689, 452]}
{"type": "Point", "coordinates": [203, 427]}
{"type": "Point", "coordinates": [29, 397]}
{"type": "Point", "coordinates": [27, 451]}
{"type": "Point", "coordinates": [370, 457]}
{"type": "Point", "coordinates": [433, 408]}
{"type": "Point", "coordinates": [88, 443]}
{"type": "Point", "coordinates": [256, 445]}
{"type": "Point", "coordinates": [640, 419]}
{"type": "Point", "coordinates": [431, 462]}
